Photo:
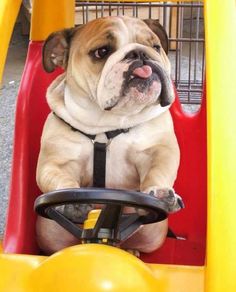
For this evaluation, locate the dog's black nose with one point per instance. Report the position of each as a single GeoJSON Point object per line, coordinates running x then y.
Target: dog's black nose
{"type": "Point", "coordinates": [136, 54]}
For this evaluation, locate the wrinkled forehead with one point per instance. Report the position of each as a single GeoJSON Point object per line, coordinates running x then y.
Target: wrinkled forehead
{"type": "Point", "coordinates": [115, 29]}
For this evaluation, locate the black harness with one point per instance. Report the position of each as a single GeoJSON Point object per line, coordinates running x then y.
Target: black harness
{"type": "Point", "coordinates": [99, 153]}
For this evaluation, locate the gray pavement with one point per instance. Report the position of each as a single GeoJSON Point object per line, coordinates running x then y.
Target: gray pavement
{"type": "Point", "coordinates": [7, 110]}
{"type": "Point", "coordinates": [8, 92]}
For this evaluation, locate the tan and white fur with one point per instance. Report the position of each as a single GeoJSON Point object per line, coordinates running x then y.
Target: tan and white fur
{"type": "Point", "coordinates": [117, 76]}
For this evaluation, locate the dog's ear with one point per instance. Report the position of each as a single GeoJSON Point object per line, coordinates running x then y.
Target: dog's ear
{"type": "Point", "coordinates": [56, 49]}
{"type": "Point", "coordinates": [159, 30]}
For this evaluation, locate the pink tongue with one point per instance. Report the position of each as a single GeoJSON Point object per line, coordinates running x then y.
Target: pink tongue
{"type": "Point", "coordinates": [143, 72]}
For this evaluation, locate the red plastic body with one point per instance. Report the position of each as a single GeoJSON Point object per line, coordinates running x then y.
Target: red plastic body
{"type": "Point", "coordinates": [191, 183]}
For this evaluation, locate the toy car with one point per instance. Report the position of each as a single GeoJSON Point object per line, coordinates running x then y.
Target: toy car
{"type": "Point", "coordinates": [206, 181]}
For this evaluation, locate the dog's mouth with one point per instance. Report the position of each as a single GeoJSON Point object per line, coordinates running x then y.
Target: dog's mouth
{"type": "Point", "coordinates": [147, 81]}
{"type": "Point", "coordinates": [142, 69]}
{"type": "Point", "coordinates": [142, 77]}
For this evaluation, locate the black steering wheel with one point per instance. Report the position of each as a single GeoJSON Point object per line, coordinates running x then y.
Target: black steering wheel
{"type": "Point", "coordinates": [113, 224]}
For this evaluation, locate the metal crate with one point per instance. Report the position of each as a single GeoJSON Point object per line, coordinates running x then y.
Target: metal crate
{"type": "Point", "coordinates": [184, 25]}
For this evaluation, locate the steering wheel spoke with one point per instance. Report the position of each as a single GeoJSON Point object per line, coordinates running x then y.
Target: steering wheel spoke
{"type": "Point", "coordinates": [109, 219]}
{"type": "Point", "coordinates": [129, 225]}
{"type": "Point", "coordinates": [64, 222]}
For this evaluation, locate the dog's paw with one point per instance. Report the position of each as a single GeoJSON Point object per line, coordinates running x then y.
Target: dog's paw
{"type": "Point", "coordinates": [172, 201]}
{"type": "Point", "coordinates": [77, 213]}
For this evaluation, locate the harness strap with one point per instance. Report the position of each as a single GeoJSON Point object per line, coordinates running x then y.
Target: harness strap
{"type": "Point", "coordinates": [113, 134]}
{"type": "Point", "coordinates": [99, 153]}
{"type": "Point", "coordinates": [99, 165]}
{"type": "Point", "coordinates": [90, 136]}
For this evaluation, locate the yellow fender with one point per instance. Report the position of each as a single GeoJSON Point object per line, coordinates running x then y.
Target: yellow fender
{"type": "Point", "coordinates": [94, 267]}
{"type": "Point", "coordinates": [220, 30]}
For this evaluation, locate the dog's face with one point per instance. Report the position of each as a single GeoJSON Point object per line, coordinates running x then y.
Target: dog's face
{"type": "Point", "coordinates": [118, 62]}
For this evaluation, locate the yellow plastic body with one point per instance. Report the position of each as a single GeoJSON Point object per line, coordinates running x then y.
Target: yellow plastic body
{"type": "Point", "coordinates": [93, 267]}
{"type": "Point", "coordinates": [8, 13]}
{"type": "Point", "coordinates": [220, 24]}
{"type": "Point", "coordinates": [16, 271]}
{"type": "Point", "coordinates": [49, 16]}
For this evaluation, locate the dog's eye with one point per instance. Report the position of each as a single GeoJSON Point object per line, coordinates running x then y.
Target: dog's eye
{"type": "Point", "coordinates": [102, 52]}
{"type": "Point", "coordinates": [157, 48]}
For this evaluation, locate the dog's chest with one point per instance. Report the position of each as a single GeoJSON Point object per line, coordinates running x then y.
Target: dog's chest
{"type": "Point", "coordinates": [120, 166]}
{"type": "Point", "coordinates": [121, 171]}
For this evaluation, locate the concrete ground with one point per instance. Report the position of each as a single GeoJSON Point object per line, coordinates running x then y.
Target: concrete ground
{"type": "Point", "coordinates": [8, 92]}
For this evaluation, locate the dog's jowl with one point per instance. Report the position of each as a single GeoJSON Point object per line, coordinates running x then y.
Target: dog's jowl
{"type": "Point", "coordinates": [117, 77]}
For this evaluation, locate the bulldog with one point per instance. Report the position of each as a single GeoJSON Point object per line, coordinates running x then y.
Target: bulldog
{"type": "Point", "coordinates": [117, 77]}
